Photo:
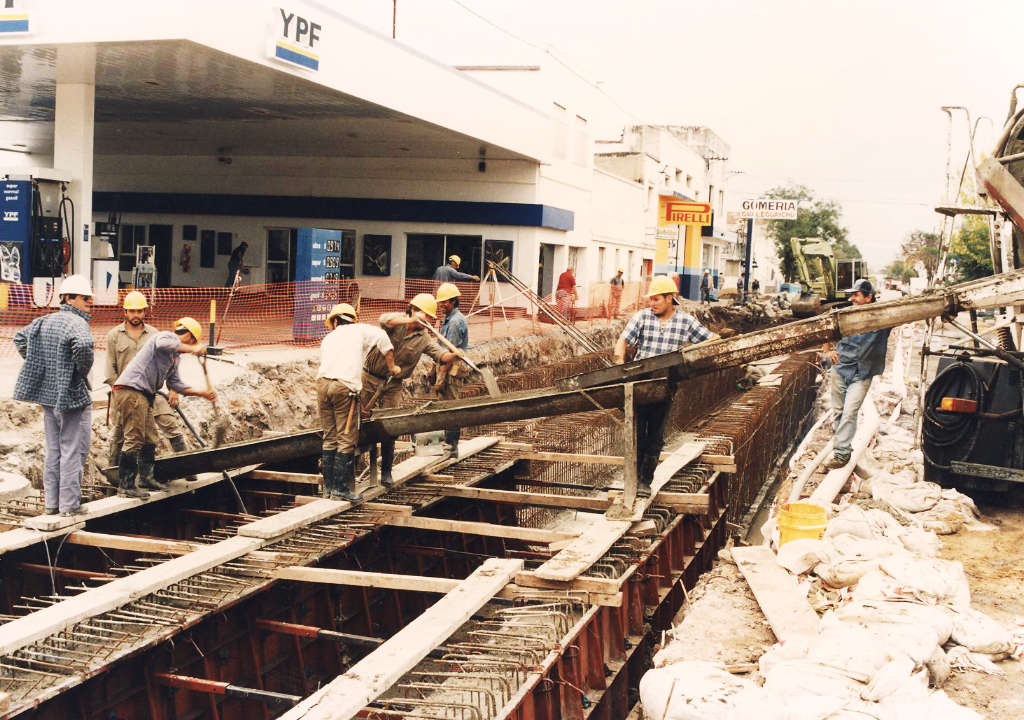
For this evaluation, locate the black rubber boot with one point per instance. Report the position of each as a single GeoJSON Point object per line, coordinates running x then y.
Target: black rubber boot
{"type": "Point", "coordinates": [147, 479]}
{"type": "Point", "coordinates": [328, 458]}
{"type": "Point", "coordinates": [345, 478]}
{"type": "Point", "coordinates": [126, 471]}
{"type": "Point", "coordinates": [178, 445]}
{"type": "Point", "coordinates": [387, 459]}
{"type": "Point", "coordinates": [451, 439]}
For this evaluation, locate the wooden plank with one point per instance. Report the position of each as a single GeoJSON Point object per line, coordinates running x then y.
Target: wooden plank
{"type": "Point", "coordinates": [26, 630]}
{"type": "Point", "coordinates": [515, 592]}
{"type": "Point", "coordinates": [606, 586]}
{"type": "Point", "coordinates": [696, 500]}
{"type": "Point", "coordinates": [347, 694]}
{"type": "Point", "coordinates": [18, 538]}
{"type": "Point", "coordinates": [583, 552]}
{"type": "Point", "coordinates": [572, 457]}
{"type": "Point", "coordinates": [295, 477]}
{"type": "Point", "coordinates": [477, 528]}
{"type": "Point", "coordinates": [577, 502]}
{"type": "Point", "coordinates": [360, 578]}
{"type": "Point", "coordinates": [631, 458]}
{"type": "Point", "coordinates": [776, 591]}
{"type": "Point", "coordinates": [289, 520]}
{"type": "Point", "coordinates": [388, 507]}
{"type": "Point", "coordinates": [131, 542]}
{"type": "Point", "coordinates": [676, 461]}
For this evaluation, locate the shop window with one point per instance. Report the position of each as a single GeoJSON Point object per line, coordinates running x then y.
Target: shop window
{"type": "Point", "coordinates": [499, 252]}
{"type": "Point", "coordinates": [377, 255]}
{"type": "Point", "coordinates": [423, 254]}
{"type": "Point", "coordinates": [348, 253]}
{"type": "Point", "coordinates": [131, 235]}
{"type": "Point", "coordinates": [280, 254]}
{"type": "Point", "coordinates": [469, 248]}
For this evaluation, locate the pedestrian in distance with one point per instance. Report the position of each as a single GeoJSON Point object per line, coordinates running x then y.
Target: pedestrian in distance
{"type": "Point", "coordinates": [58, 353]}
{"type": "Point", "coordinates": [565, 294]}
{"type": "Point", "coordinates": [235, 263]}
{"type": "Point", "coordinates": [739, 287]}
{"type": "Point", "coordinates": [455, 329]}
{"type": "Point", "coordinates": [705, 287]}
{"type": "Point", "coordinates": [657, 329]}
{"type": "Point", "coordinates": [410, 340]}
{"type": "Point", "coordinates": [755, 287]}
{"type": "Point", "coordinates": [450, 272]}
{"type": "Point", "coordinates": [854, 361]}
{"type": "Point", "coordinates": [617, 285]}
{"type": "Point", "coordinates": [339, 382]}
{"type": "Point", "coordinates": [123, 344]}
{"type": "Point", "coordinates": [135, 391]}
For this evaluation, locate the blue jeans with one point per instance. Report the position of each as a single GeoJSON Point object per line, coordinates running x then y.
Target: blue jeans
{"type": "Point", "coordinates": [846, 401]}
{"type": "Point", "coordinates": [67, 445]}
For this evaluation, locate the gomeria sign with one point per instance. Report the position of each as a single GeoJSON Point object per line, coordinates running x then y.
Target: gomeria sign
{"type": "Point", "coordinates": [768, 209]}
{"type": "Point", "coordinates": [673, 211]}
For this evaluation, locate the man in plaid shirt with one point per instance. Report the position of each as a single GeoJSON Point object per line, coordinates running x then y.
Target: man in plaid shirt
{"type": "Point", "coordinates": [658, 329]}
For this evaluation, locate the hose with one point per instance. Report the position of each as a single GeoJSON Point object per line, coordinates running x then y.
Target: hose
{"type": "Point", "coordinates": [946, 429]}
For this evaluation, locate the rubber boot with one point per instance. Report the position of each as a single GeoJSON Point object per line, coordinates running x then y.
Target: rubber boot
{"type": "Point", "coordinates": [328, 459]}
{"type": "Point", "coordinates": [178, 445]}
{"type": "Point", "coordinates": [345, 478]}
{"type": "Point", "coordinates": [126, 471]}
{"type": "Point", "coordinates": [113, 459]}
{"type": "Point", "coordinates": [387, 459]}
{"type": "Point", "coordinates": [451, 440]}
{"type": "Point", "coordinates": [147, 479]}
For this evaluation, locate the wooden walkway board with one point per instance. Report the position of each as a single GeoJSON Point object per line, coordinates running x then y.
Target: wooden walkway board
{"type": "Point", "coordinates": [289, 520]}
{"type": "Point", "coordinates": [362, 578]}
{"type": "Point", "coordinates": [676, 461]}
{"type": "Point", "coordinates": [584, 551]}
{"type": "Point", "coordinates": [512, 532]}
{"type": "Point", "coordinates": [781, 601]}
{"type": "Point", "coordinates": [347, 694]}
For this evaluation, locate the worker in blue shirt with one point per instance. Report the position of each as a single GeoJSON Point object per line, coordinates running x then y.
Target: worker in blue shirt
{"type": "Point", "coordinates": [456, 330]}
{"type": "Point", "coordinates": [855, 361]}
{"type": "Point", "coordinates": [450, 272]}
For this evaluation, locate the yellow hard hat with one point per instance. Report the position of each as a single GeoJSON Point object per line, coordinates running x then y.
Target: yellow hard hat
{"type": "Point", "coordinates": [447, 291]}
{"type": "Point", "coordinates": [342, 310]}
{"type": "Point", "coordinates": [455, 259]}
{"type": "Point", "coordinates": [426, 303]}
{"type": "Point", "coordinates": [190, 324]}
{"type": "Point", "coordinates": [135, 301]}
{"type": "Point", "coordinates": [661, 284]}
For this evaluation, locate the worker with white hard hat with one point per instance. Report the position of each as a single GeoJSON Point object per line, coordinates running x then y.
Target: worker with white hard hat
{"type": "Point", "coordinates": [338, 384]}
{"type": "Point", "coordinates": [123, 343]}
{"type": "Point", "coordinates": [450, 272]}
{"type": "Point", "coordinates": [58, 353]}
{"type": "Point", "coordinates": [410, 340]}
{"type": "Point", "coordinates": [657, 329]}
{"type": "Point", "coordinates": [135, 391]}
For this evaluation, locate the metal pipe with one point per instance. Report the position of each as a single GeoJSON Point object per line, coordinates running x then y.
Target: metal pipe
{"type": "Point", "coordinates": [216, 687]}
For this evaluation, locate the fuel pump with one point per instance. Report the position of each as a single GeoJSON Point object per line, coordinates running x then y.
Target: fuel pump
{"type": "Point", "coordinates": [37, 221]}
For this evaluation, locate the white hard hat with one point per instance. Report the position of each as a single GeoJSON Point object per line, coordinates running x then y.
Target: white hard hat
{"type": "Point", "coordinates": [76, 285]}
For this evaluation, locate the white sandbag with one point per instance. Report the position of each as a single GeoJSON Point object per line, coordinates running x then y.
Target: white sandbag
{"type": "Point", "coordinates": [939, 668]}
{"type": "Point", "coordinates": [943, 581]}
{"type": "Point", "coordinates": [690, 690]}
{"type": "Point", "coordinates": [963, 659]}
{"type": "Point", "coordinates": [934, 706]}
{"type": "Point", "coordinates": [844, 572]}
{"type": "Point", "coordinates": [889, 679]}
{"type": "Point", "coordinates": [799, 556]}
{"type": "Point", "coordinates": [764, 705]}
{"type": "Point", "coordinates": [852, 521]}
{"type": "Point", "coordinates": [850, 647]}
{"type": "Point", "coordinates": [904, 493]}
{"type": "Point", "coordinates": [977, 632]}
{"type": "Point", "coordinates": [920, 541]}
{"type": "Point", "coordinates": [881, 612]}
{"type": "Point", "coordinates": [801, 678]}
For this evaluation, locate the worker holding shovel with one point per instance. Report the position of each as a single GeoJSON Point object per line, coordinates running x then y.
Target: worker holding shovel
{"type": "Point", "coordinates": [455, 329]}
{"type": "Point", "coordinates": [135, 391]}
{"type": "Point", "coordinates": [410, 341]}
{"type": "Point", "coordinates": [338, 384]}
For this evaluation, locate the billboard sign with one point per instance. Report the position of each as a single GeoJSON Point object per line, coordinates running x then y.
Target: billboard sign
{"type": "Point", "coordinates": [769, 209]}
{"type": "Point", "coordinates": [674, 211]}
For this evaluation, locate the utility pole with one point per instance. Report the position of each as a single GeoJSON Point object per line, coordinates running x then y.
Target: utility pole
{"type": "Point", "coordinates": [394, 18]}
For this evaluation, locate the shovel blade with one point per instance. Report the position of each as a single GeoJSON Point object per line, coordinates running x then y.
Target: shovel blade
{"type": "Point", "coordinates": [490, 382]}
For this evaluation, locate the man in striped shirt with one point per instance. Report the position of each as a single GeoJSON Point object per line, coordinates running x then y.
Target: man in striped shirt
{"type": "Point", "coordinates": [658, 329]}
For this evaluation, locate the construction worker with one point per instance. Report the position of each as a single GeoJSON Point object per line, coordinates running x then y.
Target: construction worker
{"type": "Point", "coordinates": [615, 295]}
{"type": "Point", "coordinates": [410, 340]}
{"type": "Point", "coordinates": [338, 384]}
{"type": "Point", "coordinates": [566, 295]}
{"type": "Point", "coordinates": [855, 361]}
{"type": "Point", "coordinates": [450, 272]}
{"type": "Point", "coordinates": [123, 343]}
{"type": "Point", "coordinates": [705, 287]}
{"type": "Point", "coordinates": [58, 353]}
{"type": "Point", "coordinates": [135, 389]}
{"type": "Point", "coordinates": [456, 330]}
{"type": "Point", "coordinates": [660, 328]}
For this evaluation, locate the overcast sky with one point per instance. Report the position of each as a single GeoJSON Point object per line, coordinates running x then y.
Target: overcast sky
{"type": "Point", "coordinates": [840, 96]}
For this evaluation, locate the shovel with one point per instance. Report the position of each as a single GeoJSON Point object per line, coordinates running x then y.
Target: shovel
{"type": "Point", "coordinates": [489, 380]}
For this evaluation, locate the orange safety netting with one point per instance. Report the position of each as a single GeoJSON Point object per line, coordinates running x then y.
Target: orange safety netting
{"type": "Point", "coordinates": [293, 312]}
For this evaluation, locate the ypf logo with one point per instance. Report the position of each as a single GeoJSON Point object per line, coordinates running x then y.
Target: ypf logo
{"type": "Point", "coordinates": [14, 16]}
{"type": "Point", "coordinates": [11, 216]}
{"type": "Point", "coordinates": [296, 38]}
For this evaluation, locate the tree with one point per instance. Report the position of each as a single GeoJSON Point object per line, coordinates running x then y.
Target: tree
{"type": "Point", "coordinates": [922, 247]}
{"type": "Point", "coordinates": [900, 270]}
{"type": "Point", "coordinates": [815, 218]}
{"type": "Point", "coordinates": [970, 249]}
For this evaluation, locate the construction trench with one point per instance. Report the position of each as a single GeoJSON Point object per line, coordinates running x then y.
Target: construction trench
{"type": "Point", "coordinates": [207, 604]}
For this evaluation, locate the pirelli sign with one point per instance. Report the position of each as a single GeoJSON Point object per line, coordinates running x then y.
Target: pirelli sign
{"type": "Point", "coordinates": [674, 211]}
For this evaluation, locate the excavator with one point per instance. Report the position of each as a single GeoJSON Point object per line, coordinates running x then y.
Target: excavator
{"type": "Point", "coordinates": [824, 279]}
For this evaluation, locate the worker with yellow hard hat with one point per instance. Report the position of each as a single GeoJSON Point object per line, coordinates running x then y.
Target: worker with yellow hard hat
{"type": "Point", "coordinates": [134, 393]}
{"type": "Point", "coordinates": [455, 329]}
{"type": "Point", "coordinates": [410, 340]}
{"type": "Point", "coordinates": [123, 343]}
{"type": "Point", "coordinates": [338, 384]}
{"type": "Point", "coordinates": [659, 328]}
{"type": "Point", "coordinates": [450, 272]}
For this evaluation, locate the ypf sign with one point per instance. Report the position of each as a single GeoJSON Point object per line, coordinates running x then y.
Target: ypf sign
{"type": "Point", "coordinates": [673, 211]}
{"type": "Point", "coordinates": [768, 209]}
{"type": "Point", "coordinates": [295, 37]}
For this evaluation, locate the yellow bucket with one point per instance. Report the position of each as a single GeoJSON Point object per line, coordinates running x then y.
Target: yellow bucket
{"type": "Point", "coordinates": [801, 520]}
